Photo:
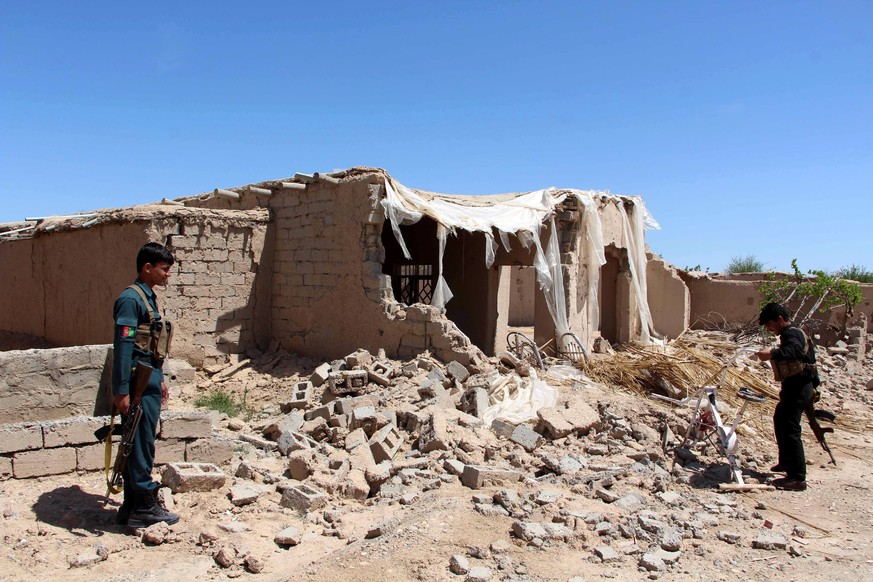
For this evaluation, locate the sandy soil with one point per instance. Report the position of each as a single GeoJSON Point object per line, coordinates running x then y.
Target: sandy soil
{"type": "Point", "coordinates": [63, 527]}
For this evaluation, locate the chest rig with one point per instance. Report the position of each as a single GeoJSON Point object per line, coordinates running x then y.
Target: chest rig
{"type": "Point", "coordinates": [156, 335]}
{"type": "Point", "coordinates": [787, 368]}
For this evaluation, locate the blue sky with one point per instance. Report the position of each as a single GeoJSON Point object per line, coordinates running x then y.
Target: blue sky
{"type": "Point", "coordinates": [746, 126]}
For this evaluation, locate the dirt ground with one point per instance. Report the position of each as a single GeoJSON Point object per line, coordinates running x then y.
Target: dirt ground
{"type": "Point", "coordinates": [625, 514]}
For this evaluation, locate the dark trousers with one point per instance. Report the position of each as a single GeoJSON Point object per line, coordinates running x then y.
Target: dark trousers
{"type": "Point", "coordinates": [795, 395]}
{"type": "Point", "coordinates": [138, 472]}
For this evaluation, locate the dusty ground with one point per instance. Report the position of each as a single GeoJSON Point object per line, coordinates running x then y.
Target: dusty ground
{"type": "Point", "coordinates": [48, 524]}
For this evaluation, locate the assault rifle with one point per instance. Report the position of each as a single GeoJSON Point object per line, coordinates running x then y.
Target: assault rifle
{"type": "Point", "coordinates": [138, 383]}
{"type": "Point", "coordinates": [812, 416]}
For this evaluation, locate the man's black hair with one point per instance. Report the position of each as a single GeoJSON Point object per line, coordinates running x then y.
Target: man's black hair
{"type": "Point", "coordinates": [772, 311]}
{"type": "Point", "coordinates": [153, 253]}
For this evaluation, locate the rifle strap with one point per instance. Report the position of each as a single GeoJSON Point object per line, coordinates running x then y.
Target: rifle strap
{"type": "Point", "coordinates": [107, 456]}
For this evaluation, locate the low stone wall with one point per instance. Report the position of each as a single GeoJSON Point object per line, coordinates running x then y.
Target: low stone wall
{"type": "Point", "coordinates": [56, 383]}
{"type": "Point", "coordinates": [36, 449]}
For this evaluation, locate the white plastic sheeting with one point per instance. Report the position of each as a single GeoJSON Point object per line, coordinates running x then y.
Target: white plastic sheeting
{"type": "Point", "coordinates": [523, 215]}
{"type": "Point", "coordinates": [518, 399]}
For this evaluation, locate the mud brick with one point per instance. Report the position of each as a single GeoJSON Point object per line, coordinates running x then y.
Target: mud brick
{"type": "Point", "coordinates": [215, 450]}
{"type": "Point", "coordinates": [457, 371]}
{"type": "Point", "coordinates": [91, 458]}
{"type": "Point", "coordinates": [258, 442]}
{"type": "Point", "coordinates": [320, 375]}
{"type": "Point", "coordinates": [5, 467]}
{"type": "Point", "coordinates": [386, 443]}
{"type": "Point", "coordinates": [170, 451]}
{"type": "Point", "coordinates": [301, 397]}
{"type": "Point", "coordinates": [476, 476]}
{"type": "Point", "coordinates": [326, 412]}
{"type": "Point", "coordinates": [302, 497]}
{"type": "Point", "coordinates": [184, 477]}
{"type": "Point", "coordinates": [71, 431]}
{"type": "Point", "coordinates": [23, 436]}
{"type": "Point", "coordinates": [44, 462]}
{"type": "Point", "coordinates": [553, 423]}
{"type": "Point", "coordinates": [434, 434]}
{"type": "Point", "coordinates": [186, 425]}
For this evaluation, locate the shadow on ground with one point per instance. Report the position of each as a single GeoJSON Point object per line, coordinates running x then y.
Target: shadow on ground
{"type": "Point", "coordinates": [74, 509]}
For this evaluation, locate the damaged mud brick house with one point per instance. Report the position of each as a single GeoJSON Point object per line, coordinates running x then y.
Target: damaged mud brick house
{"type": "Point", "coordinates": [326, 264]}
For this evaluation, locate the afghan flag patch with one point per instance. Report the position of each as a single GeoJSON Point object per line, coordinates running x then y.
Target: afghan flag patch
{"type": "Point", "coordinates": [127, 331]}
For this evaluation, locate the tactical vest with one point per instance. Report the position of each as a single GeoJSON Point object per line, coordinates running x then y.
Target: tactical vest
{"type": "Point", "coordinates": [787, 368]}
{"type": "Point", "coordinates": [155, 336]}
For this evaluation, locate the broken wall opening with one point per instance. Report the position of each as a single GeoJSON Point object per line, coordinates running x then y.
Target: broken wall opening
{"type": "Point", "coordinates": [616, 297]}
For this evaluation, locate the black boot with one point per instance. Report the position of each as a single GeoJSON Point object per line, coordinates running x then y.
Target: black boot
{"type": "Point", "coordinates": [146, 511]}
{"type": "Point", "coordinates": [126, 506]}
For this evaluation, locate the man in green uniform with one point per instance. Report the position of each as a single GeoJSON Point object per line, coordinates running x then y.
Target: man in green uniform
{"type": "Point", "coordinates": [136, 310]}
{"type": "Point", "coordinates": [792, 363]}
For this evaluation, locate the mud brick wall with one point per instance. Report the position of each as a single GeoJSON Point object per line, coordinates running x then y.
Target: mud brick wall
{"type": "Point", "coordinates": [50, 384]}
{"type": "Point", "coordinates": [218, 297]}
{"type": "Point", "coordinates": [61, 284]}
{"type": "Point", "coordinates": [36, 449]}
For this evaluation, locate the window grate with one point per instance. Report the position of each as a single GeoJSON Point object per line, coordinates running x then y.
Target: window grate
{"type": "Point", "coordinates": [413, 283]}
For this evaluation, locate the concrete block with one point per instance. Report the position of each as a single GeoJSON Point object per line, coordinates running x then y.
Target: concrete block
{"type": "Point", "coordinates": [475, 401]}
{"type": "Point", "coordinates": [409, 370]}
{"type": "Point", "coordinates": [502, 428]}
{"type": "Point", "coordinates": [359, 359]}
{"type": "Point", "coordinates": [437, 374]}
{"type": "Point", "coordinates": [320, 375]}
{"type": "Point", "coordinates": [434, 435]}
{"type": "Point", "coordinates": [292, 441]}
{"type": "Point", "coordinates": [290, 422]}
{"type": "Point", "coordinates": [301, 464]}
{"type": "Point", "coordinates": [476, 476]}
{"type": "Point", "coordinates": [553, 423]}
{"type": "Point", "coordinates": [258, 442]}
{"type": "Point", "coordinates": [170, 451]}
{"type": "Point", "coordinates": [301, 397]}
{"type": "Point", "coordinates": [44, 462]}
{"type": "Point", "coordinates": [302, 497]}
{"type": "Point", "coordinates": [92, 457]}
{"type": "Point", "coordinates": [326, 412]}
{"type": "Point", "coordinates": [363, 417]}
{"type": "Point", "coordinates": [355, 439]}
{"type": "Point", "coordinates": [184, 477]}
{"type": "Point", "coordinates": [432, 388]}
{"type": "Point", "coordinates": [386, 443]}
{"type": "Point", "coordinates": [71, 431]}
{"type": "Point", "coordinates": [346, 405]}
{"type": "Point", "coordinates": [361, 458]}
{"type": "Point", "coordinates": [339, 421]}
{"type": "Point", "coordinates": [242, 494]}
{"type": "Point", "coordinates": [457, 371]}
{"type": "Point", "coordinates": [379, 374]}
{"type": "Point", "coordinates": [186, 425]}
{"type": "Point", "coordinates": [215, 450]}
{"type": "Point", "coordinates": [22, 436]}
{"type": "Point", "coordinates": [355, 485]}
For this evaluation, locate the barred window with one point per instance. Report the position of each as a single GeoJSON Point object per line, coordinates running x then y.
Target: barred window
{"type": "Point", "coordinates": [413, 283]}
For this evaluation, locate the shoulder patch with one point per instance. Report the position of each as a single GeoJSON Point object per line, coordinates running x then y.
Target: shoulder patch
{"type": "Point", "coordinates": [128, 331]}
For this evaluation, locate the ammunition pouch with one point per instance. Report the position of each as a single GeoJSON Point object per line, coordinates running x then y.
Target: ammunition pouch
{"type": "Point", "coordinates": [783, 369]}
{"type": "Point", "coordinates": [154, 337]}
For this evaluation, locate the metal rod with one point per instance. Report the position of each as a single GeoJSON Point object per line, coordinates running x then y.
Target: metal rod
{"type": "Point", "coordinates": [293, 186]}
{"type": "Point", "coordinates": [39, 218]}
{"type": "Point", "coordinates": [226, 194]}
{"type": "Point", "coordinates": [31, 227]}
{"type": "Point", "coordinates": [172, 202]}
{"type": "Point", "coordinates": [304, 177]}
{"type": "Point", "coordinates": [90, 222]}
{"type": "Point", "coordinates": [256, 190]}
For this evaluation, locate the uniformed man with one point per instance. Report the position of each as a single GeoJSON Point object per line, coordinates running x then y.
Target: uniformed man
{"type": "Point", "coordinates": [142, 335]}
{"type": "Point", "coordinates": [793, 363]}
